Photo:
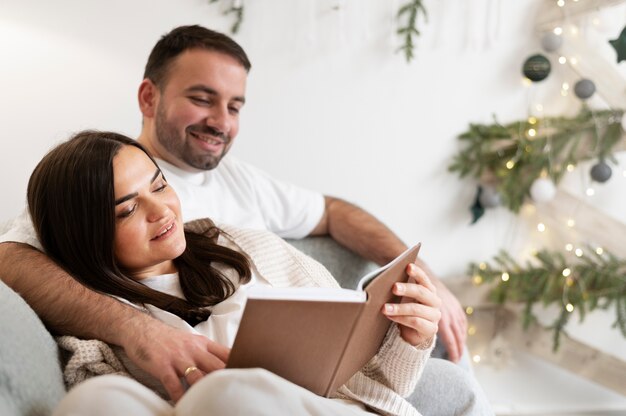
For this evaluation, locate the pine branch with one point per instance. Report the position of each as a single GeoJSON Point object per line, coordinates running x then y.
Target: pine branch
{"type": "Point", "coordinates": [571, 284]}
{"type": "Point", "coordinates": [557, 142]}
{"type": "Point", "coordinates": [412, 10]}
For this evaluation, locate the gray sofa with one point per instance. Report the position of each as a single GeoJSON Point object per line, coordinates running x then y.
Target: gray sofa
{"type": "Point", "coordinates": [31, 382]}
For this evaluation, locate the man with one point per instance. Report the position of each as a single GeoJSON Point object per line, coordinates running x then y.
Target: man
{"type": "Point", "coordinates": [191, 97]}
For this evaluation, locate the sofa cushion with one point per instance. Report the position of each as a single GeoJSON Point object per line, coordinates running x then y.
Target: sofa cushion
{"type": "Point", "coordinates": [345, 266]}
{"type": "Point", "coordinates": [31, 382]}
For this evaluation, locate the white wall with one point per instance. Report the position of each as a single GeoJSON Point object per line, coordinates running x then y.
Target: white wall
{"type": "Point", "coordinates": [330, 105]}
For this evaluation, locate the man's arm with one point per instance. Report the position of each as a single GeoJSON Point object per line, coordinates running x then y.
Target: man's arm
{"type": "Point", "coordinates": [359, 231]}
{"type": "Point", "coordinates": [67, 307]}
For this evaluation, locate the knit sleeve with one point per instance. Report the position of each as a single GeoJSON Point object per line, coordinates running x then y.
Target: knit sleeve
{"type": "Point", "coordinates": [389, 377]}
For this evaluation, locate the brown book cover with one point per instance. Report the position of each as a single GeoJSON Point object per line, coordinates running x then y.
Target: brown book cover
{"type": "Point", "coordinates": [317, 337]}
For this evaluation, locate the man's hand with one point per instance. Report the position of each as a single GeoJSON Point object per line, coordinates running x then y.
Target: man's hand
{"type": "Point", "coordinates": [166, 352]}
{"type": "Point", "coordinates": [453, 323]}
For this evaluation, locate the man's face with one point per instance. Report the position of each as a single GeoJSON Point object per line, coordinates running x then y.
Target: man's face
{"type": "Point", "coordinates": [197, 112]}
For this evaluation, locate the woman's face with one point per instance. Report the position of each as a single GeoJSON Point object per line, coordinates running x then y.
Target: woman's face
{"type": "Point", "coordinates": [148, 224]}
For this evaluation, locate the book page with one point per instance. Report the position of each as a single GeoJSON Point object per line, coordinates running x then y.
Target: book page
{"type": "Point", "coordinates": [320, 294]}
{"type": "Point", "coordinates": [365, 280]}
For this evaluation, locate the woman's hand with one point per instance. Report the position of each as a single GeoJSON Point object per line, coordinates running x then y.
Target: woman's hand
{"type": "Point", "coordinates": [418, 313]}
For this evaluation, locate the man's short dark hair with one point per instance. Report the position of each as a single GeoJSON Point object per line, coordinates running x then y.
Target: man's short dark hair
{"type": "Point", "coordinates": [184, 38]}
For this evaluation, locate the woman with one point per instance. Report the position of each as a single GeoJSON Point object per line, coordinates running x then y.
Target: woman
{"type": "Point", "coordinates": [103, 210]}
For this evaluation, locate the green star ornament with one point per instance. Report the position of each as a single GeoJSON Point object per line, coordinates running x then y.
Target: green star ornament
{"type": "Point", "coordinates": [620, 46]}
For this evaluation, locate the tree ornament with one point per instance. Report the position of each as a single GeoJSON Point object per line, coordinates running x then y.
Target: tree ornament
{"type": "Point", "coordinates": [551, 42]}
{"type": "Point", "coordinates": [601, 172]}
{"type": "Point", "coordinates": [584, 88]}
{"type": "Point", "coordinates": [619, 45]}
{"type": "Point", "coordinates": [489, 197]}
{"type": "Point", "coordinates": [542, 190]}
{"type": "Point", "coordinates": [477, 208]}
{"type": "Point", "coordinates": [536, 68]}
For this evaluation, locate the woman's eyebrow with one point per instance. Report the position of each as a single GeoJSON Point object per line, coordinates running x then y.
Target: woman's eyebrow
{"type": "Point", "coordinates": [134, 194]}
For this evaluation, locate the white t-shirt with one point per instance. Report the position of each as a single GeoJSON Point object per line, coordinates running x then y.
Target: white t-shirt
{"type": "Point", "coordinates": [234, 193]}
{"type": "Point", "coordinates": [222, 324]}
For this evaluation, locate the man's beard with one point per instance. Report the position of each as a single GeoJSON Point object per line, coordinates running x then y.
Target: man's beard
{"type": "Point", "coordinates": [179, 147]}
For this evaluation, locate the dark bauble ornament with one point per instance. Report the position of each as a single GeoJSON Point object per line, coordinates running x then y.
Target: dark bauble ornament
{"type": "Point", "coordinates": [536, 68]}
{"type": "Point", "coordinates": [584, 88]}
{"type": "Point", "coordinates": [601, 172]}
{"type": "Point", "coordinates": [489, 197]}
{"type": "Point", "coordinates": [551, 42]}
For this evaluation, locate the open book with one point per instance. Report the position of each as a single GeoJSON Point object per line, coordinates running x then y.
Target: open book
{"type": "Point", "coordinates": [317, 337]}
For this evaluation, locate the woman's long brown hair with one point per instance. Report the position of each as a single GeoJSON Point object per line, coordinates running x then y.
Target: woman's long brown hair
{"type": "Point", "coordinates": [71, 201]}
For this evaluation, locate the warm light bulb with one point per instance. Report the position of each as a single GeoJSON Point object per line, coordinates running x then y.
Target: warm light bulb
{"type": "Point", "coordinates": [573, 60]}
{"type": "Point", "coordinates": [469, 310]}
{"type": "Point", "coordinates": [562, 60]}
{"type": "Point", "coordinates": [532, 120]}
{"type": "Point", "coordinates": [510, 164]}
{"type": "Point", "coordinates": [569, 307]}
{"type": "Point", "coordinates": [571, 223]}
{"type": "Point", "coordinates": [476, 358]}
{"type": "Point", "coordinates": [569, 247]}
{"type": "Point", "coordinates": [599, 251]}
{"type": "Point", "coordinates": [505, 277]}
{"type": "Point", "coordinates": [570, 167]}
{"type": "Point", "coordinates": [565, 86]}
{"type": "Point", "coordinates": [539, 107]}
{"type": "Point", "coordinates": [578, 252]}
{"type": "Point", "coordinates": [590, 192]}
{"type": "Point", "coordinates": [532, 132]}
{"type": "Point", "coordinates": [566, 272]}
{"type": "Point", "coordinates": [482, 266]}
{"type": "Point", "coordinates": [471, 330]}
{"type": "Point", "coordinates": [560, 3]}
{"type": "Point", "coordinates": [541, 227]}
{"type": "Point", "coordinates": [478, 279]}
{"type": "Point", "coordinates": [558, 30]}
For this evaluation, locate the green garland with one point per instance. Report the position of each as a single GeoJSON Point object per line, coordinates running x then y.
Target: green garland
{"type": "Point", "coordinates": [516, 154]}
{"type": "Point", "coordinates": [595, 280]}
{"type": "Point", "coordinates": [235, 10]}
{"type": "Point", "coordinates": [412, 9]}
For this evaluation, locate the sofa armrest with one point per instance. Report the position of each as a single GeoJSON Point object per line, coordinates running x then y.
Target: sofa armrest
{"type": "Point", "coordinates": [346, 266]}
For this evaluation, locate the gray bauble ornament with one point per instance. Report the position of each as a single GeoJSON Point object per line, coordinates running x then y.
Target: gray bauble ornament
{"type": "Point", "coordinates": [584, 88]}
{"type": "Point", "coordinates": [489, 197]}
{"type": "Point", "coordinates": [536, 68]}
{"type": "Point", "coordinates": [601, 172]}
{"type": "Point", "coordinates": [551, 42]}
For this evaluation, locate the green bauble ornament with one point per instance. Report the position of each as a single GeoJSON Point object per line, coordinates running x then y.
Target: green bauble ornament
{"type": "Point", "coordinates": [536, 68]}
